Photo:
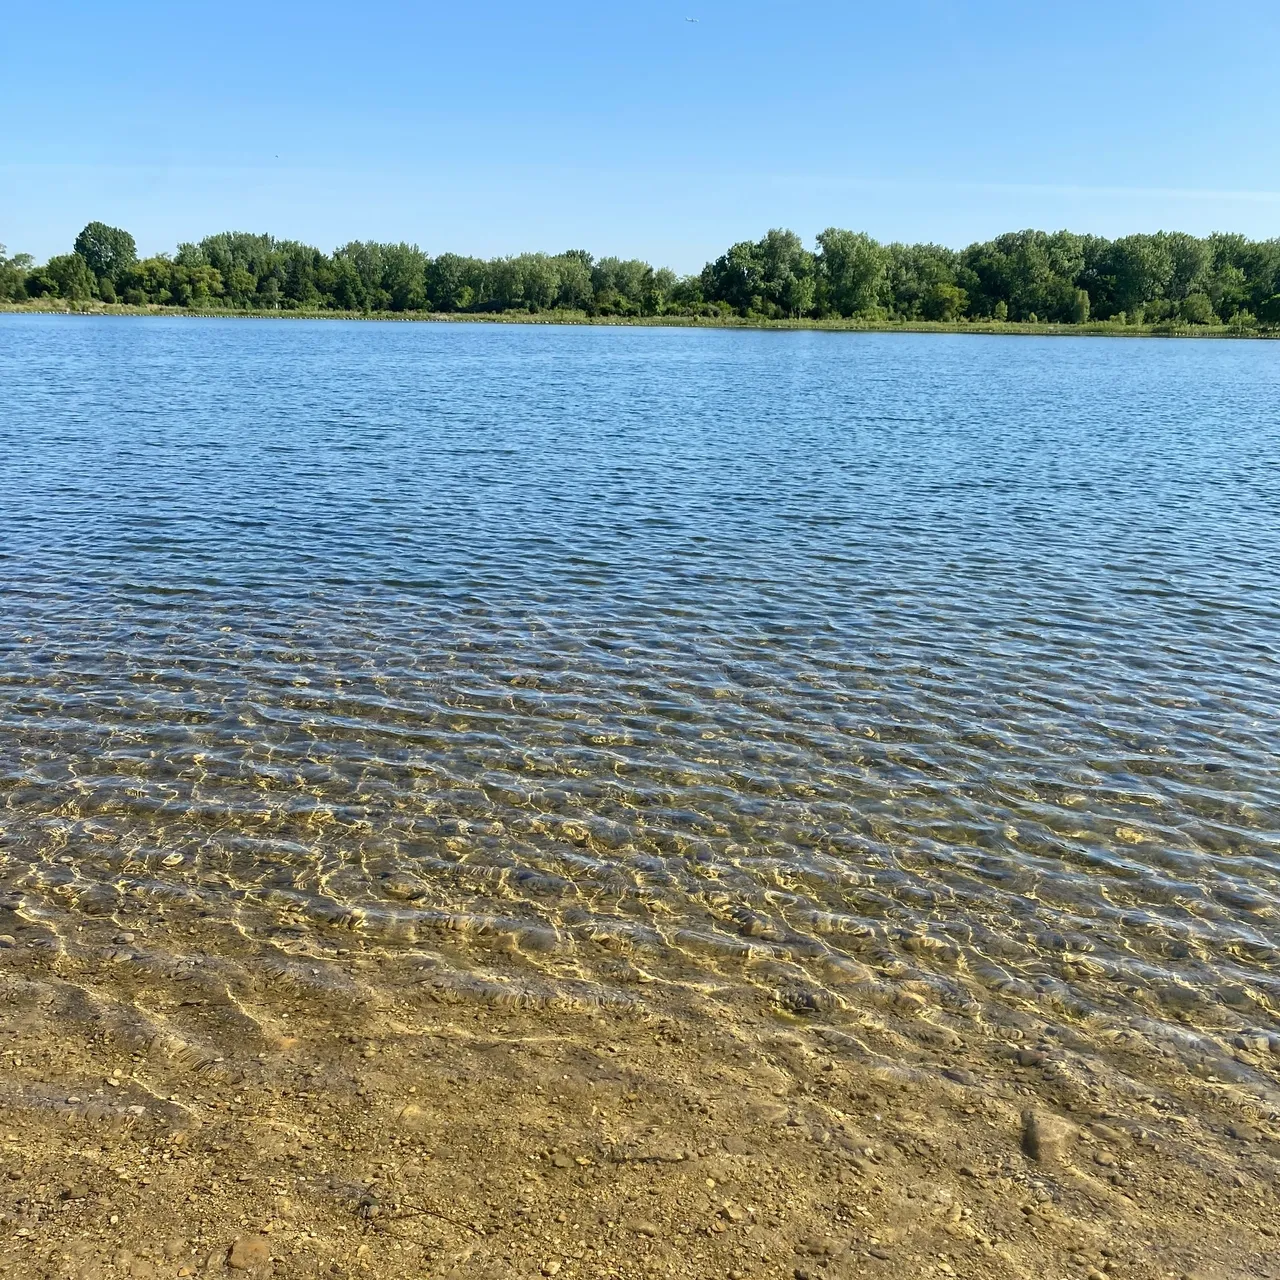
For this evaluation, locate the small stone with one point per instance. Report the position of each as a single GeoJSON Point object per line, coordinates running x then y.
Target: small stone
{"type": "Point", "coordinates": [1030, 1058]}
{"type": "Point", "coordinates": [1105, 1159]}
{"type": "Point", "coordinates": [174, 1248]}
{"type": "Point", "coordinates": [1242, 1133]}
{"type": "Point", "coordinates": [77, 1191]}
{"type": "Point", "coordinates": [1094, 1274]}
{"type": "Point", "coordinates": [643, 1227]}
{"type": "Point", "coordinates": [551, 1267]}
{"type": "Point", "coordinates": [961, 1076]}
{"type": "Point", "coordinates": [1107, 1134]}
{"type": "Point", "coordinates": [561, 1161]}
{"type": "Point", "coordinates": [879, 1251]}
{"type": "Point", "coordinates": [414, 1118]}
{"type": "Point", "coordinates": [249, 1252]}
{"type": "Point", "coordinates": [1043, 1137]}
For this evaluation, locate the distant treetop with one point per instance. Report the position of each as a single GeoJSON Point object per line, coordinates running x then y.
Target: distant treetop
{"type": "Point", "coordinates": [109, 251]}
{"type": "Point", "coordinates": [1061, 277]}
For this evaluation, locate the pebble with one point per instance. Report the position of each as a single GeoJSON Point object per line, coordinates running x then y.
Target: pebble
{"type": "Point", "coordinates": [414, 1118]}
{"type": "Point", "coordinates": [879, 1251]}
{"type": "Point", "coordinates": [1105, 1159]}
{"type": "Point", "coordinates": [249, 1252]}
{"type": "Point", "coordinates": [643, 1227]}
{"type": "Point", "coordinates": [551, 1267]}
{"type": "Point", "coordinates": [961, 1076]}
{"type": "Point", "coordinates": [1104, 1131]}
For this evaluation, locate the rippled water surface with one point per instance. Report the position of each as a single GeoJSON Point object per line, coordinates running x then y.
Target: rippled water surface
{"type": "Point", "coordinates": [793, 671]}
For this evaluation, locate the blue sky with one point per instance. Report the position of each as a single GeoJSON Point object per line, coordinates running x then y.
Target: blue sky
{"type": "Point", "coordinates": [491, 127]}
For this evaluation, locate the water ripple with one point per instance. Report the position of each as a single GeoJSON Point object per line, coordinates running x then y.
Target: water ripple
{"type": "Point", "coordinates": [922, 680]}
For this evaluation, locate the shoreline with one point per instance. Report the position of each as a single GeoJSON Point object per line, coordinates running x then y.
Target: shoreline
{"type": "Point", "coordinates": [316, 1111]}
{"type": "Point", "coordinates": [1100, 329]}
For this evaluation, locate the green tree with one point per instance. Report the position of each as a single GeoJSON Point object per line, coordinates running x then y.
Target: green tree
{"type": "Point", "coordinates": [109, 251]}
{"type": "Point", "coordinates": [686, 295]}
{"type": "Point", "coordinates": [944, 301]}
{"type": "Point", "coordinates": [13, 275]}
{"type": "Point", "coordinates": [455, 283]}
{"type": "Point", "coordinates": [404, 277]}
{"type": "Point", "coordinates": [1080, 311]}
{"type": "Point", "coordinates": [1197, 309]}
{"type": "Point", "coordinates": [74, 279]}
{"type": "Point", "coordinates": [619, 285]}
{"type": "Point", "coordinates": [911, 272]}
{"type": "Point", "coordinates": [540, 280]}
{"type": "Point", "coordinates": [787, 286]}
{"type": "Point", "coordinates": [574, 268]}
{"type": "Point", "coordinates": [152, 279]}
{"type": "Point", "coordinates": [850, 267]}
{"type": "Point", "coordinates": [1137, 270]}
{"type": "Point", "coordinates": [40, 284]}
{"type": "Point", "coordinates": [240, 285]}
{"type": "Point", "coordinates": [1270, 310]}
{"type": "Point", "coordinates": [232, 252]}
{"type": "Point", "coordinates": [736, 277]}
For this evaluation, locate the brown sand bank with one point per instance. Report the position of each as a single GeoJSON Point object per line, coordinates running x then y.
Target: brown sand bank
{"type": "Point", "coordinates": [175, 1104]}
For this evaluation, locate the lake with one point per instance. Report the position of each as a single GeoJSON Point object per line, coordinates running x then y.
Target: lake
{"type": "Point", "coordinates": [770, 675]}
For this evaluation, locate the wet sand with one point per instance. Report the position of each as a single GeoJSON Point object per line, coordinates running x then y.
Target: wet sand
{"type": "Point", "coordinates": [177, 1102]}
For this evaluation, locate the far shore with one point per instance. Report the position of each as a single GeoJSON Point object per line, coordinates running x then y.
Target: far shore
{"type": "Point", "coordinates": [1098, 329]}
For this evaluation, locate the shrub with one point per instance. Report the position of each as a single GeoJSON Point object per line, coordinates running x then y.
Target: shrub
{"type": "Point", "coordinates": [944, 301]}
{"type": "Point", "coordinates": [1197, 309]}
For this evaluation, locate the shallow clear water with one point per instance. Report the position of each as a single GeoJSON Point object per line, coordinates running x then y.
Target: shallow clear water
{"type": "Point", "coordinates": [800, 672]}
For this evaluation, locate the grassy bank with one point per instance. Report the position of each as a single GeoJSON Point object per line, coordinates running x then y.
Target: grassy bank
{"type": "Point", "coordinates": [52, 306]}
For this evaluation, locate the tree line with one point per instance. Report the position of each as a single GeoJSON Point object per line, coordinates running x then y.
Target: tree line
{"type": "Point", "coordinates": [1058, 277]}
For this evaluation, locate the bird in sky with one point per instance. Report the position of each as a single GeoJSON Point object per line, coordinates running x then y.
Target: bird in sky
{"type": "Point", "coordinates": [691, 19]}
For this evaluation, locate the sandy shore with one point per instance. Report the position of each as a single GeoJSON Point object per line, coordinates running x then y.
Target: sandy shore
{"type": "Point", "coordinates": [191, 1111]}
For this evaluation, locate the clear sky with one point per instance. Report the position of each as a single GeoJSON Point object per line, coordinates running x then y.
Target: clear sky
{"type": "Point", "coordinates": [488, 126]}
